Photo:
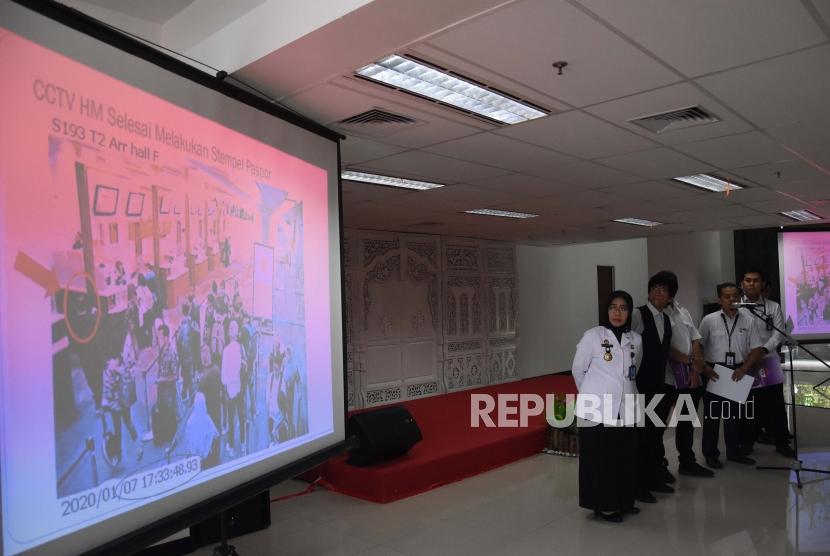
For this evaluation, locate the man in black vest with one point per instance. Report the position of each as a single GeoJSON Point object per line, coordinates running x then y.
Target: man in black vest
{"type": "Point", "coordinates": [656, 329]}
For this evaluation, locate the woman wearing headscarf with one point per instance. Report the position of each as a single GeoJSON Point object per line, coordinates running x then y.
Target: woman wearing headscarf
{"type": "Point", "coordinates": [201, 438]}
{"type": "Point", "coordinates": [604, 369]}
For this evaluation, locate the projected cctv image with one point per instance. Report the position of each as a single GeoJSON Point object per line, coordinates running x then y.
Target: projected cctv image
{"type": "Point", "coordinates": [176, 350]}
{"type": "Point", "coordinates": [806, 280]}
{"type": "Point", "coordinates": [158, 323]}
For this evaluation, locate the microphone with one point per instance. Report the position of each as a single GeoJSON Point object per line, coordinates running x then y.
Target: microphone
{"type": "Point", "coordinates": [748, 304]}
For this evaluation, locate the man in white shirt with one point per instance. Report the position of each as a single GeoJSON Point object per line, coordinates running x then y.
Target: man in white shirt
{"type": "Point", "coordinates": [771, 412]}
{"type": "Point", "coordinates": [730, 338]}
{"type": "Point", "coordinates": [233, 357]}
{"type": "Point", "coordinates": [687, 357]}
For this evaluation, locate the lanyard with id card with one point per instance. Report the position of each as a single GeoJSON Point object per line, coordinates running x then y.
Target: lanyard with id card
{"type": "Point", "coordinates": [730, 355]}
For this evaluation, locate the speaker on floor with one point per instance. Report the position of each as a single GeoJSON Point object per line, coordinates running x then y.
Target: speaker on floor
{"type": "Point", "coordinates": [381, 434]}
{"type": "Point", "coordinates": [247, 517]}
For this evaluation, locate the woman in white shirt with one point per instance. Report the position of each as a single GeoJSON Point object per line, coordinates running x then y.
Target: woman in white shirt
{"type": "Point", "coordinates": [604, 369]}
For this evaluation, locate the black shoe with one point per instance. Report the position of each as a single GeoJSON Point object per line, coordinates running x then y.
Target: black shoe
{"type": "Point", "coordinates": [695, 470]}
{"type": "Point", "coordinates": [786, 451]}
{"type": "Point", "coordinates": [714, 463]}
{"type": "Point", "coordinates": [646, 497]}
{"type": "Point", "coordinates": [633, 510]}
{"type": "Point", "coordinates": [764, 439]}
{"type": "Point", "coordinates": [613, 517]}
{"type": "Point", "coordinates": [662, 488]}
{"type": "Point", "coordinates": [742, 460]}
{"type": "Point", "coordinates": [666, 476]}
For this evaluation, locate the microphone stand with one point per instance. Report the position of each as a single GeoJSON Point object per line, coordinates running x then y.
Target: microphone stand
{"type": "Point", "coordinates": [791, 342]}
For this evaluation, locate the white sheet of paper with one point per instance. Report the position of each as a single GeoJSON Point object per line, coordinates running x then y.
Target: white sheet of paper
{"type": "Point", "coordinates": [728, 388]}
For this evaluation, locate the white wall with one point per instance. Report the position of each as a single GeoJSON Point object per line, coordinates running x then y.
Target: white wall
{"type": "Point", "coordinates": [558, 296]}
{"type": "Point", "coordinates": [558, 285]}
{"type": "Point", "coordinates": [701, 260]}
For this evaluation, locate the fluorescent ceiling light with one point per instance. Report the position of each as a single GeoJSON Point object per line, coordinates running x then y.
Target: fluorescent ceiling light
{"type": "Point", "coordinates": [638, 222]}
{"type": "Point", "coordinates": [420, 79]}
{"type": "Point", "coordinates": [388, 180]}
{"type": "Point", "coordinates": [709, 183]}
{"type": "Point", "coordinates": [503, 213]}
{"type": "Point", "coordinates": [801, 215]}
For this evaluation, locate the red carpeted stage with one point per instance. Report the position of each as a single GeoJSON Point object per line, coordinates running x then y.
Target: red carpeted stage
{"type": "Point", "coordinates": [451, 449]}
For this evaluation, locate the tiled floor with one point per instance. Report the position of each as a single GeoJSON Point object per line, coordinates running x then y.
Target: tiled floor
{"type": "Point", "coordinates": [530, 507]}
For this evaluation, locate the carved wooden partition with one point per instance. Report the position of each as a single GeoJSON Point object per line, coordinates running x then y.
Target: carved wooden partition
{"type": "Point", "coordinates": [426, 315]}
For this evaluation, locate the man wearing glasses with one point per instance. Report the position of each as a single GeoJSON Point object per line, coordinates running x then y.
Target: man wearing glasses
{"type": "Point", "coordinates": [651, 322]}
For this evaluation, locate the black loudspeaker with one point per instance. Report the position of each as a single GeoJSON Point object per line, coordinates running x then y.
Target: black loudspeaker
{"type": "Point", "coordinates": [381, 434]}
{"type": "Point", "coordinates": [247, 517]}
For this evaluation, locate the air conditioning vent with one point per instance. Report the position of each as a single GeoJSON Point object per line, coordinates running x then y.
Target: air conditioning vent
{"type": "Point", "coordinates": [676, 119]}
{"type": "Point", "coordinates": [376, 116]}
{"type": "Point", "coordinates": [376, 123]}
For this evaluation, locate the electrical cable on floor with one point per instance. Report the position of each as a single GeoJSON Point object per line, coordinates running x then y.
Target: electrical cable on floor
{"type": "Point", "coordinates": [311, 488]}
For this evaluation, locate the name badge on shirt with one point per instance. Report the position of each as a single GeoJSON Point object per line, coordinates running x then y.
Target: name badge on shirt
{"type": "Point", "coordinates": [608, 355]}
{"type": "Point", "coordinates": [632, 372]}
{"type": "Point", "coordinates": [730, 358]}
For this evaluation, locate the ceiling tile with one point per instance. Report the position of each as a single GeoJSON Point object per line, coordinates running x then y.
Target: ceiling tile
{"type": "Point", "coordinates": [777, 92]}
{"type": "Point", "coordinates": [778, 205]}
{"type": "Point", "coordinates": [584, 200]}
{"type": "Point", "coordinates": [525, 185]}
{"type": "Point", "coordinates": [476, 197]}
{"type": "Point", "coordinates": [702, 202]}
{"type": "Point", "coordinates": [807, 138]}
{"type": "Point", "coordinates": [356, 191]}
{"type": "Point", "coordinates": [432, 167]}
{"type": "Point", "coordinates": [418, 200]}
{"type": "Point", "coordinates": [651, 191]}
{"type": "Point", "coordinates": [702, 36]}
{"type": "Point", "coordinates": [776, 174]}
{"type": "Point", "coordinates": [578, 134]}
{"type": "Point", "coordinates": [823, 8]}
{"type": "Point", "coordinates": [763, 220]}
{"type": "Point", "coordinates": [496, 150]}
{"type": "Point", "coordinates": [809, 189]}
{"type": "Point", "coordinates": [590, 175]}
{"type": "Point", "coordinates": [382, 216]}
{"type": "Point", "coordinates": [355, 150]}
{"type": "Point", "coordinates": [736, 151]}
{"type": "Point", "coordinates": [661, 163]}
{"type": "Point", "coordinates": [730, 212]}
{"type": "Point", "coordinates": [686, 216]}
{"type": "Point", "coordinates": [601, 64]}
{"type": "Point", "coordinates": [627, 209]}
{"type": "Point", "coordinates": [750, 194]}
{"type": "Point", "coordinates": [666, 99]}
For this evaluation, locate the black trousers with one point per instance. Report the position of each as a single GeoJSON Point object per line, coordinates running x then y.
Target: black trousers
{"type": "Point", "coordinates": [737, 431]}
{"type": "Point", "coordinates": [663, 411]}
{"type": "Point", "coordinates": [771, 413]}
{"type": "Point", "coordinates": [650, 449]}
{"type": "Point", "coordinates": [685, 432]}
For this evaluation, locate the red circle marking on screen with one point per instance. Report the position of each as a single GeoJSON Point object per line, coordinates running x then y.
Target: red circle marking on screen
{"type": "Point", "coordinates": [87, 278]}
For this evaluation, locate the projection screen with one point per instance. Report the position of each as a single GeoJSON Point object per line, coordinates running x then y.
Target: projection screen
{"type": "Point", "coordinates": [804, 271]}
{"type": "Point", "coordinates": [141, 214]}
